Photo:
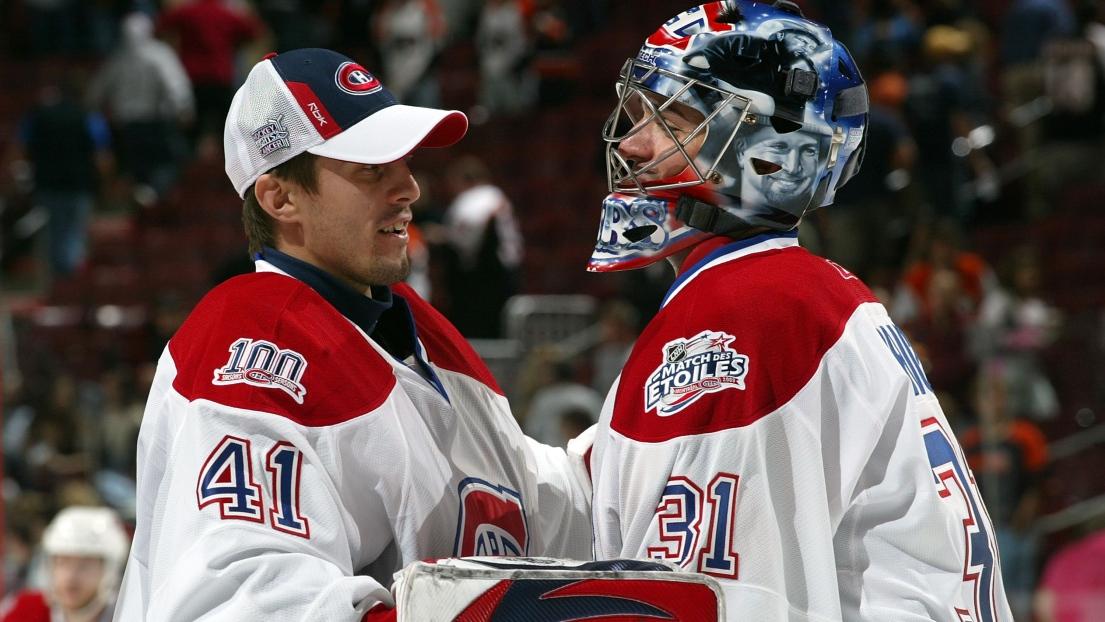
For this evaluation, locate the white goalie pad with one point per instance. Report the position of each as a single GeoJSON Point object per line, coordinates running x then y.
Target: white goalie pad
{"type": "Point", "coordinates": [493, 589]}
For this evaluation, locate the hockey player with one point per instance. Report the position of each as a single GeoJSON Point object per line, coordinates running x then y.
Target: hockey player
{"type": "Point", "coordinates": [84, 548]}
{"type": "Point", "coordinates": [314, 427]}
{"type": "Point", "coordinates": [772, 427]}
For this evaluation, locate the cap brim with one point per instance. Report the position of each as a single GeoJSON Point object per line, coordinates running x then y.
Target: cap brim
{"type": "Point", "coordinates": [394, 132]}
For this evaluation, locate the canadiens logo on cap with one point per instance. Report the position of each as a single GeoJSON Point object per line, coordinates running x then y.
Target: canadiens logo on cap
{"type": "Point", "coordinates": [271, 136]}
{"type": "Point", "coordinates": [355, 80]}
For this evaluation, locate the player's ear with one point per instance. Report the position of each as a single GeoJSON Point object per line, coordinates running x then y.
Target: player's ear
{"type": "Point", "coordinates": [275, 196]}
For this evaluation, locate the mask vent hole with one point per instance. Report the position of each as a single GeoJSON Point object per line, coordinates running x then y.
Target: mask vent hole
{"type": "Point", "coordinates": [636, 234]}
{"type": "Point", "coordinates": [763, 167]}
{"type": "Point", "coordinates": [784, 126]}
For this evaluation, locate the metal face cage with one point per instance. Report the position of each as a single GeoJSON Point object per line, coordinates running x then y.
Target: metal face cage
{"type": "Point", "coordinates": [634, 84]}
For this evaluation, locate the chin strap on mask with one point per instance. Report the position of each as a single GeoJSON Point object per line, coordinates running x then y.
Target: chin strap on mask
{"type": "Point", "coordinates": [707, 217]}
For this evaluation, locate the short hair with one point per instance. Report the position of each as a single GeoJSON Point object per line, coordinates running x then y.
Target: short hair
{"type": "Point", "coordinates": [258, 225]}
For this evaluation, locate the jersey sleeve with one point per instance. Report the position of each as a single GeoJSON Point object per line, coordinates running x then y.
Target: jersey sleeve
{"type": "Point", "coordinates": [262, 458]}
{"type": "Point", "coordinates": [564, 497]}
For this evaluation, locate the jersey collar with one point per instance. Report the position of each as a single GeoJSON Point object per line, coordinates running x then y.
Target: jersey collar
{"type": "Point", "coordinates": [362, 310]}
{"type": "Point", "coordinates": [716, 251]}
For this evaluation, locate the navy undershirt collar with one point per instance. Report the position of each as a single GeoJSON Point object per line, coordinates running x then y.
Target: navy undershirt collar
{"type": "Point", "coordinates": [394, 331]}
{"type": "Point", "coordinates": [362, 310]}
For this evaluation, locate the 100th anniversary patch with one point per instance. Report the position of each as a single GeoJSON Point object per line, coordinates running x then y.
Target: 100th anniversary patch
{"type": "Point", "coordinates": [692, 368]}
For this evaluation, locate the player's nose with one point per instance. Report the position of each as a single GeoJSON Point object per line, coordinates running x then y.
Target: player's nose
{"type": "Point", "coordinates": [640, 145]}
{"type": "Point", "coordinates": [403, 187]}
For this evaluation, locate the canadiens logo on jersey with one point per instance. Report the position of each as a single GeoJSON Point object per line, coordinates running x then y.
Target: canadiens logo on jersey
{"type": "Point", "coordinates": [492, 521]}
{"type": "Point", "coordinates": [692, 368]}
{"type": "Point", "coordinates": [263, 364]}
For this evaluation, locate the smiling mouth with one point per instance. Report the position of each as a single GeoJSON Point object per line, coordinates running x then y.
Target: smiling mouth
{"type": "Point", "coordinates": [398, 229]}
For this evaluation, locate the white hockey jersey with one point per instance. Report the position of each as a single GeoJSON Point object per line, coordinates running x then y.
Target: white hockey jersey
{"type": "Point", "coordinates": [289, 464]}
{"type": "Point", "coordinates": [774, 429]}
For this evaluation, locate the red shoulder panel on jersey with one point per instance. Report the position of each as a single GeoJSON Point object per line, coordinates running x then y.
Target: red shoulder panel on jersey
{"type": "Point", "coordinates": [445, 346]}
{"type": "Point", "coordinates": [270, 343]}
{"type": "Point", "coordinates": [738, 342]}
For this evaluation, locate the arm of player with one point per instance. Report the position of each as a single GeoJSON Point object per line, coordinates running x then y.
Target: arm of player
{"type": "Point", "coordinates": [564, 496]}
{"type": "Point", "coordinates": [256, 514]}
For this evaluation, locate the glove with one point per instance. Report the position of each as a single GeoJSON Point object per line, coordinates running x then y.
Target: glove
{"type": "Point", "coordinates": [494, 589]}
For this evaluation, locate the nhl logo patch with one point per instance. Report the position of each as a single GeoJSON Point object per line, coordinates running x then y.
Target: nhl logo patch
{"type": "Point", "coordinates": [693, 368]}
{"type": "Point", "coordinates": [271, 136]}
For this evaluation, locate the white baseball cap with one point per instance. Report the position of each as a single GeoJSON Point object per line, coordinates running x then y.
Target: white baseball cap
{"type": "Point", "coordinates": [322, 102]}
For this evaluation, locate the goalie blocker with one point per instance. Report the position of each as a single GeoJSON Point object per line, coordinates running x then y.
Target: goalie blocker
{"type": "Point", "coordinates": [493, 589]}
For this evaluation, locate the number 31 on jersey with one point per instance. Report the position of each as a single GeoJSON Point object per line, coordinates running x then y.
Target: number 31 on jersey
{"type": "Point", "coordinates": [686, 512]}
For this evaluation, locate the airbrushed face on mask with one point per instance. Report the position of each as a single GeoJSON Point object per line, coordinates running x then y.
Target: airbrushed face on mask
{"type": "Point", "coordinates": [734, 106]}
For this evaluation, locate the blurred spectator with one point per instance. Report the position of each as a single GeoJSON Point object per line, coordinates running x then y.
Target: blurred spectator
{"type": "Point", "coordinates": [1027, 27]}
{"type": "Point", "coordinates": [1007, 456]}
{"type": "Point", "coordinates": [25, 518]}
{"type": "Point", "coordinates": [555, 62]}
{"type": "Point", "coordinates": [168, 313]}
{"type": "Point", "coordinates": [409, 35]}
{"type": "Point", "coordinates": [557, 400]}
{"type": "Point", "coordinates": [68, 150]}
{"type": "Point", "coordinates": [936, 301]}
{"type": "Point", "coordinates": [941, 331]}
{"type": "Point", "coordinates": [1070, 150]}
{"type": "Point", "coordinates": [302, 23]}
{"type": "Point", "coordinates": [484, 238]}
{"type": "Point", "coordinates": [55, 26]}
{"type": "Point", "coordinates": [85, 548]}
{"type": "Point", "coordinates": [619, 324]}
{"type": "Point", "coordinates": [867, 229]}
{"type": "Point", "coordinates": [576, 421]}
{"type": "Point", "coordinates": [941, 107]}
{"type": "Point", "coordinates": [53, 451]}
{"type": "Point", "coordinates": [891, 25]}
{"type": "Point", "coordinates": [207, 34]}
{"type": "Point", "coordinates": [1072, 588]}
{"type": "Point", "coordinates": [419, 252]}
{"type": "Point", "coordinates": [507, 81]}
{"type": "Point", "coordinates": [118, 417]}
{"type": "Point", "coordinates": [942, 249]}
{"type": "Point", "coordinates": [1016, 324]}
{"type": "Point", "coordinates": [145, 92]}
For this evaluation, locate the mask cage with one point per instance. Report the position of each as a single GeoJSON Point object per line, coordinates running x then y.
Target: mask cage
{"type": "Point", "coordinates": [634, 77]}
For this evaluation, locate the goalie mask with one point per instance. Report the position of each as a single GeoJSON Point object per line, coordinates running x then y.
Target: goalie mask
{"type": "Point", "coordinates": [734, 116]}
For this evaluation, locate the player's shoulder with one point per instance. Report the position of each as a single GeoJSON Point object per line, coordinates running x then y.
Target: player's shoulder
{"type": "Point", "coordinates": [268, 342]}
{"type": "Point", "coordinates": [790, 298]}
{"type": "Point", "coordinates": [735, 344]}
{"type": "Point", "coordinates": [791, 276]}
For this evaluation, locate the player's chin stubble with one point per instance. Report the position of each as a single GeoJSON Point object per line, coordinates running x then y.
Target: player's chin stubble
{"type": "Point", "coordinates": [388, 273]}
